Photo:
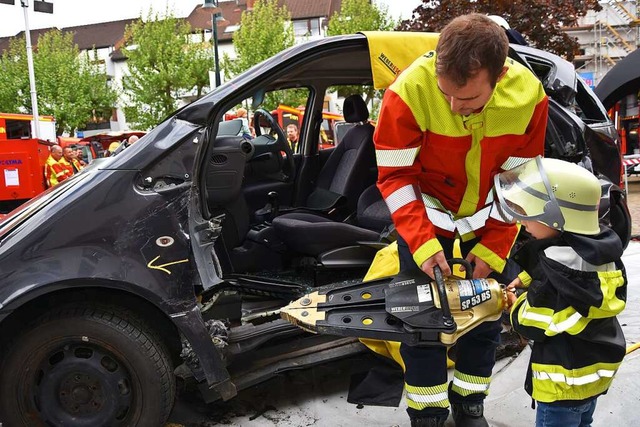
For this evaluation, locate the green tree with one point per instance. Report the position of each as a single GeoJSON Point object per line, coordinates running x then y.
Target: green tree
{"type": "Point", "coordinates": [200, 62]}
{"type": "Point", "coordinates": [360, 15]}
{"type": "Point", "coordinates": [355, 16]}
{"type": "Point", "coordinates": [14, 78]}
{"type": "Point", "coordinates": [163, 67]}
{"type": "Point", "coordinates": [72, 88]}
{"type": "Point", "coordinates": [264, 31]}
{"type": "Point", "coordinates": [100, 90]}
{"type": "Point", "coordinates": [540, 22]}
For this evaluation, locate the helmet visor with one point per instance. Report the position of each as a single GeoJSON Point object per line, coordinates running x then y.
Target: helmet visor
{"type": "Point", "coordinates": [525, 193]}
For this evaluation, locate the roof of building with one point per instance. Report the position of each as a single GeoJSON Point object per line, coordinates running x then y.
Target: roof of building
{"type": "Point", "coordinates": [311, 9]}
{"type": "Point", "coordinates": [231, 11]}
{"type": "Point", "coordinates": [104, 34]}
{"type": "Point", "coordinates": [35, 36]}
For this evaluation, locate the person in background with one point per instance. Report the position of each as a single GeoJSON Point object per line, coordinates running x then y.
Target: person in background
{"type": "Point", "coordinates": [54, 171]}
{"type": "Point", "coordinates": [69, 161]}
{"type": "Point", "coordinates": [576, 284]}
{"type": "Point", "coordinates": [113, 147]}
{"type": "Point", "coordinates": [79, 155]}
{"type": "Point", "coordinates": [244, 130]}
{"type": "Point", "coordinates": [448, 123]}
{"type": "Point", "coordinates": [292, 136]}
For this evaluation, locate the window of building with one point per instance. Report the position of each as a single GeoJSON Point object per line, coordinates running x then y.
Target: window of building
{"type": "Point", "coordinates": [301, 28]}
{"type": "Point", "coordinates": [306, 27]}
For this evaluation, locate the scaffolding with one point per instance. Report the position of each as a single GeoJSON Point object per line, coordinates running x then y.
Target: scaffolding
{"type": "Point", "coordinates": [607, 36]}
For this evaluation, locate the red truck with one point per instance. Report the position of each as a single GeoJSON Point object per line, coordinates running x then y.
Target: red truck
{"type": "Point", "coordinates": [22, 157]}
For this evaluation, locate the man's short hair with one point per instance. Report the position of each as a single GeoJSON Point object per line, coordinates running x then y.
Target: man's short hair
{"type": "Point", "coordinates": [292, 125]}
{"type": "Point", "coordinates": [468, 44]}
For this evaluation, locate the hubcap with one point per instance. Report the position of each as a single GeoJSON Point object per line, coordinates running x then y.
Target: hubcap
{"type": "Point", "coordinates": [82, 384]}
{"type": "Point", "coordinates": [81, 394]}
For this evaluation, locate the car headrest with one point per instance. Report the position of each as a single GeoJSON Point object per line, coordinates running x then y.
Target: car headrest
{"type": "Point", "coordinates": [355, 110]}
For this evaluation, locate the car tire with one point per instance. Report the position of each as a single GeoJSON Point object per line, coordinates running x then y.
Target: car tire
{"type": "Point", "coordinates": [86, 366]}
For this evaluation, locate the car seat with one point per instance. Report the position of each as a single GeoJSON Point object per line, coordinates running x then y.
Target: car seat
{"type": "Point", "coordinates": [351, 167]}
{"type": "Point", "coordinates": [335, 243]}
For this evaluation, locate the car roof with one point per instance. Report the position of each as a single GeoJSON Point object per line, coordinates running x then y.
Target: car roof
{"type": "Point", "coordinates": [343, 60]}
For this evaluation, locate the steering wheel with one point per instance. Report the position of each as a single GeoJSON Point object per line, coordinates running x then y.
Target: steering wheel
{"type": "Point", "coordinates": [278, 146]}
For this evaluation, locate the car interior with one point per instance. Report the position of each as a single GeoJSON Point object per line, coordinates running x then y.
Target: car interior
{"type": "Point", "coordinates": [318, 210]}
{"type": "Point", "coordinates": [314, 209]}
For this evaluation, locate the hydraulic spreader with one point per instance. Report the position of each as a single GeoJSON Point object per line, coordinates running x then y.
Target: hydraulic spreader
{"type": "Point", "coordinates": [409, 308]}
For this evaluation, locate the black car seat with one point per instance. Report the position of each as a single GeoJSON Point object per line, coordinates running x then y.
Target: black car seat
{"type": "Point", "coordinates": [336, 242]}
{"type": "Point", "coordinates": [311, 234]}
{"type": "Point", "coordinates": [351, 167]}
{"type": "Point", "coordinates": [372, 212]}
{"type": "Point", "coordinates": [349, 170]}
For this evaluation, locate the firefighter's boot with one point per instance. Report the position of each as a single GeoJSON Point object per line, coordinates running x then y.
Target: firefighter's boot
{"type": "Point", "coordinates": [468, 415]}
{"type": "Point", "coordinates": [428, 421]}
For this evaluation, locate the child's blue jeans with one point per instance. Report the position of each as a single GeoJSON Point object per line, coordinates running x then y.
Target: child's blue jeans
{"type": "Point", "coordinates": [549, 415]}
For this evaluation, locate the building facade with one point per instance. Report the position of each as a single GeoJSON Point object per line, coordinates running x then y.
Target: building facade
{"type": "Point", "coordinates": [308, 18]}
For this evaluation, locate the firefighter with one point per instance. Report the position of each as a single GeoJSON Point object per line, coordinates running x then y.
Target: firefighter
{"type": "Point", "coordinates": [79, 155]}
{"type": "Point", "coordinates": [292, 136]}
{"type": "Point", "coordinates": [448, 124]}
{"type": "Point", "coordinates": [576, 285]}
{"type": "Point", "coordinates": [69, 161]}
{"type": "Point", "coordinates": [54, 171]}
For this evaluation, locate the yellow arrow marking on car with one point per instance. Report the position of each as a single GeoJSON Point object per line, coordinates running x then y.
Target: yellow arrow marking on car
{"type": "Point", "coordinates": [161, 266]}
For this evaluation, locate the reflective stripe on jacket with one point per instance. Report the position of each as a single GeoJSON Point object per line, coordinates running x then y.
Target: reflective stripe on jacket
{"type": "Point", "coordinates": [436, 168]}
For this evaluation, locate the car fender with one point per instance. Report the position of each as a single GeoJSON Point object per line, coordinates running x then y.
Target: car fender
{"type": "Point", "coordinates": [22, 286]}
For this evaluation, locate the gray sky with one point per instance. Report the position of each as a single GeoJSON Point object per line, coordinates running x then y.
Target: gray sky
{"type": "Point", "coordinates": [68, 13]}
{"type": "Point", "coordinates": [400, 8]}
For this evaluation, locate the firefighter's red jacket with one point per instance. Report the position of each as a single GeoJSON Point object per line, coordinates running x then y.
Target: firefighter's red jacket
{"type": "Point", "coordinates": [72, 167]}
{"type": "Point", "coordinates": [55, 172]}
{"type": "Point", "coordinates": [436, 168]}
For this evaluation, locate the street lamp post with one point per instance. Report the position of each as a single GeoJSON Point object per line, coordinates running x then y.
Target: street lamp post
{"type": "Point", "coordinates": [215, 15]}
{"type": "Point", "coordinates": [32, 75]}
{"type": "Point", "coordinates": [38, 6]}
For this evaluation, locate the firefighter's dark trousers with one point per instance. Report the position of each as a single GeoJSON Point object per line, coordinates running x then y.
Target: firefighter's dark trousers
{"type": "Point", "coordinates": [427, 390]}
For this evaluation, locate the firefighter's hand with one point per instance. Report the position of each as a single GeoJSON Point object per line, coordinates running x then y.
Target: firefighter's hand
{"type": "Point", "coordinates": [515, 284]}
{"type": "Point", "coordinates": [436, 259]}
{"type": "Point", "coordinates": [511, 298]}
{"type": "Point", "coordinates": [481, 268]}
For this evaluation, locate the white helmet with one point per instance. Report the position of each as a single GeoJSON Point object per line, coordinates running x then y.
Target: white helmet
{"type": "Point", "coordinates": [500, 21]}
{"type": "Point", "coordinates": [559, 194]}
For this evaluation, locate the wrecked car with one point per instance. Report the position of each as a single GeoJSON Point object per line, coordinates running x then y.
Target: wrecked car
{"type": "Point", "coordinates": [172, 259]}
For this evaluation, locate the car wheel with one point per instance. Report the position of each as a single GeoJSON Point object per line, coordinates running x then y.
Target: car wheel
{"type": "Point", "coordinates": [88, 366]}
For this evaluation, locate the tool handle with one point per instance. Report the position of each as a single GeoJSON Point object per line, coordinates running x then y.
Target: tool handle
{"type": "Point", "coordinates": [444, 301]}
{"type": "Point", "coordinates": [468, 268]}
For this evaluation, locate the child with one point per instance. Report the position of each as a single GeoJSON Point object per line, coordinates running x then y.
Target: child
{"type": "Point", "coordinates": [576, 287]}
{"type": "Point", "coordinates": [245, 131]}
